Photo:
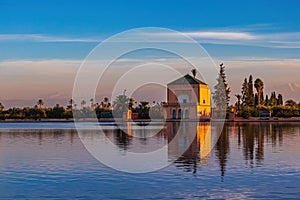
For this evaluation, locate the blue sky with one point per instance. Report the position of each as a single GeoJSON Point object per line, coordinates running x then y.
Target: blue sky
{"type": "Point", "coordinates": [258, 37]}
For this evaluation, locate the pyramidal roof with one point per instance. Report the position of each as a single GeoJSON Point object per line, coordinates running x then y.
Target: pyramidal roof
{"type": "Point", "coordinates": [187, 79]}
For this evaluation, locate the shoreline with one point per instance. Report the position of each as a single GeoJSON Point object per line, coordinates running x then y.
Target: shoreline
{"type": "Point", "coordinates": [250, 120]}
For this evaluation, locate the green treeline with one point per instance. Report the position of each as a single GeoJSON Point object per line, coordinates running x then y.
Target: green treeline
{"type": "Point", "coordinates": [250, 103]}
{"type": "Point", "coordinates": [102, 110]}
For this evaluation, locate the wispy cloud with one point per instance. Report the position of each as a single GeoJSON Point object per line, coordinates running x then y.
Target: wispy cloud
{"type": "Point", "coordinates": [44, 38]}
{"type": "Point", "coordinates": [222, 35]}
{"type": "Point", "coordinates": [248, 36]}
{"type": "Point", "coordinates": [237, 36]}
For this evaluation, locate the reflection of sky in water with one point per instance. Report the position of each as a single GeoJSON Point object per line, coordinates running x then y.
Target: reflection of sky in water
{"type": "Point", "coordinates": [250, 160]}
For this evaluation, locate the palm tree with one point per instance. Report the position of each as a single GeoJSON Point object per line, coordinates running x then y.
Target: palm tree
{"type": "Point", "coordinates": [105, 103]}
{"type": "Point", "coordinates": [143, 104]}
{"type": "Point", "coordinates": [120, 105]}
{"type": "Point", "coordinates": [92, 102]}
{"type": "Point", "coordinates": [83, 102]}
{"type": "Point", "coordinates": [259, 86]}
{"type": "Point", "coordinates": [239, 97]}
{"type": "Point", "coordinates": [105, 99]}
{"type": "Point", "coordinates": [40, 103]}
{"type": "Point", "coordinates": [71, 102]}
{"type": "Point", "coordinates": [1, 107]}
{"type": "Point", "coordinates": [131, 103]}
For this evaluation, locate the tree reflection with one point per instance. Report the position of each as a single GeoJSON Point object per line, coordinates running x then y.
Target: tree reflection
{"type": "Point", "coordinates": [122, 139]}
{"type": "Point", "coordinates": [222, 149]}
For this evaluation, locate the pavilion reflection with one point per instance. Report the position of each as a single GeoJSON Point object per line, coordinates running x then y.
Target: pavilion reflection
{"type": "Point", "coordinates": [189, 144]}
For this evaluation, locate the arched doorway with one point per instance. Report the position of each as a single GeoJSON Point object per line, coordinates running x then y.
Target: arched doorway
{"type": "Point", "coordinates": [186, 114]}
{"type": "Point", "coordinates": [179, 114]}
{"type": "Point", "coordinates": [174, 114]}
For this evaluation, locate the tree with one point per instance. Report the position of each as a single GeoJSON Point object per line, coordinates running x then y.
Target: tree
{"type": "Point", "coordinates": [92, 102]}
{"type": "Point", "coordinates": [143, 109]}
{"type": "Point", "coordinates": [250, 95]}
{"type": "Point", "coordinates": [273, 100]}
{"type": "Point", "coordinates": [71, 104]}
{"type": "Point", "coordinates": [144, 105]}
{"type": "Point", "coordinates": [221, 95]}
{"type": "Point", "coordinates": [245, 92]}
{"type": "Point", "coordinates": [291, 103]}
{"type": "Point", "coordinates": [120, 105]}
{"type": "Point", "coordinates": [255, 100]}
{"type": "Point", "coordinates": [259, 85]}
{"type": "Point", "coordinates": [157, 111]}
{"type": "Point", "coordinates": [273, 95]}
{"type": "Point", "coordinates": [105, 103]}
{"type": "Point", "coordinates": [83, 103]}
{"type": "Point", "coordinates": [131, 103]}
{"type": "Point", "coordinates": [238, 96]}
{"type": "Point", "coordinates": [267, 100]}
{"type": "Point", "coordinates": [40, 103]}
{"type": "Point", "coordinates": [1, 107]}
{"type": "Point", "coordinates": [57, 111]}
{"type": "Point", "coordinates": [279, 99]}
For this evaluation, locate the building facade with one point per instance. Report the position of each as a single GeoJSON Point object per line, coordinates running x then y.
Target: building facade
{"type": "Point", "coordinates": [188, 98]}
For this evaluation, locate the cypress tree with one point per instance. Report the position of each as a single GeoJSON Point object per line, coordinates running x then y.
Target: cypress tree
{"type": "Point", "coordinates": [250, 95]}
{"type": "Point", "coordinates": [273, 95]}
{"type": "Point", "coordinates": [279, 99]}
{"type": "Point", "coordinates": [255, 99]}
{"type": "Point", "coordinates": [244, 92]}
{"type": "Point", "coordinates": [267, 100]}
{"type": "Point", "coordinates": [273, 100]}
{"type": "Point", "coordinates": [222, 91]}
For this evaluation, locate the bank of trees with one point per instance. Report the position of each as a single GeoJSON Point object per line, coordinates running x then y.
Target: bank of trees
{"type": "Point", "coordinates": [104, 109]}
{"type": "Point", "coordinates": [143, 110]}
{"type": "Point", "coordinates": [249, 103]}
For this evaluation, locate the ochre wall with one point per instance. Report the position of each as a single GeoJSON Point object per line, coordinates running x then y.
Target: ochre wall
{"type": "Point", "coordinates": [204, 107]}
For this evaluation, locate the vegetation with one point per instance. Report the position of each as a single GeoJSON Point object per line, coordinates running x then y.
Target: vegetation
{"type": "Point", "coordinates": [103, 110]}
{"type": "Point", "coordinates": [221, 95]}
{"type": "Point", "coordinates": [259, 85]}
{"type": "Point", "coordinates": [249, 104]}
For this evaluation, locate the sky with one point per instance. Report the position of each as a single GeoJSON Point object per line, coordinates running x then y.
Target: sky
{"type": "Point", "coordinates": [42, 44]}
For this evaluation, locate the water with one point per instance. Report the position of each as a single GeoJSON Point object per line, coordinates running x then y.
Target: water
{"type": "Point", "coordinates": [48, 160]}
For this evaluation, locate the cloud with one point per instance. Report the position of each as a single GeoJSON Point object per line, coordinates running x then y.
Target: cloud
{"type": "Point", "coordinates": [236, 36]}
{"type": "Point", "coordinates": [255, 35]}
{"type": "Point", "coordinates": [221, 35]}
{"type": "Point", "coordinates": [43, 38]}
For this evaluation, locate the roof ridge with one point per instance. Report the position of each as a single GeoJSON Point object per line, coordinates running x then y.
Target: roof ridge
{"type": "Point", "coordinates": [186, 79]}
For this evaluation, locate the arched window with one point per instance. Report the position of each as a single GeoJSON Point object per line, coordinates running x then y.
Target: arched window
{"type": "Point", "coordinates": [186, 114]}
{"type": "Point", "coordinates": [179, 114]}
{"type": "Point", "coordinates": [173, 114]}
